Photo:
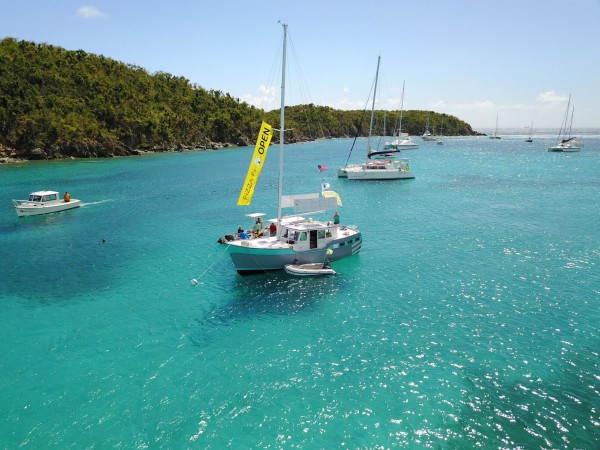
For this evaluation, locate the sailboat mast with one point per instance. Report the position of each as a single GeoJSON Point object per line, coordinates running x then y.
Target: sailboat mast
{"type": "Point", "coordinates": [563, 126]}
{"type": "Point", "coordinates": [373, 106]}
{"type": "Point", "coordinates": [571, 124]}
{"type": "Point", "coordinates": [282, 126]}
{"type": "Point", "coordinates": [401, 110]}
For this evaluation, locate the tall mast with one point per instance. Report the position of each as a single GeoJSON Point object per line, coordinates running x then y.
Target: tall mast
{"type": "Point", "coordinates": [571, 124]}
{"type": "Point", "coordinates": [282, 125]}
{"type": "Point", "coordinates": [373, 107]}
{"type": "Point", "coordinates": [563, 126]}
{"type": "Point", "coordinates": [401, 110]}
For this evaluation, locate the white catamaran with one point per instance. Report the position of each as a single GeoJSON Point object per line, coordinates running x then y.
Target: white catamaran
{"type": "Point", "coordinates": [376, 169]}
{"type": "Point", "coordinates": [566, 142]}
{"type": "Point", "coordinates": [403, 141]}
{"type": "Point", "coordinates": [297, 239]}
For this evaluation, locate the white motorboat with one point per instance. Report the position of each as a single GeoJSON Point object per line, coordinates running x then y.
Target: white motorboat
{"type": "Point", "coordinates": [387, 169]}
{"type": "Point", "coordinates": [44, 202]}
{"type": "Point", "coordinates": [308, 270]}
{"type": "Point", "coordinates": [566, 142]}
{"type": "Point", "coordinates": [297, 240]}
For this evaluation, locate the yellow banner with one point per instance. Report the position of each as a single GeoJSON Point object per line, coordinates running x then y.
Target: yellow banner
{"type": "Point", "coordinates": [256, 164]}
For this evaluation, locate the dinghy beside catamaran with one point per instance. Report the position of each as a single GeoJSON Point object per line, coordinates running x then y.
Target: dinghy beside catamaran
{"type": "Point", "coordinates": [299, 239]}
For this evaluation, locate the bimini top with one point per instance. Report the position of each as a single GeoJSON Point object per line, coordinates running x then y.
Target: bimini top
{"type": "Point", "coordinates": [41, 193]}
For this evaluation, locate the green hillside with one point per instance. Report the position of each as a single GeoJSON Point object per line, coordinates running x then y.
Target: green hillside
{"type": "Point", "coordinates": [56, 103]}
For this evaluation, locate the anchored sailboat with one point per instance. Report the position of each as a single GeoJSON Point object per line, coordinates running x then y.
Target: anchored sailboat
{"type": "Point", "coordinates": [495, 135]}
{"type": "Point", "coordinates": [566, 142]}
{"type": "Point", "coordinates": [403, 142]}
{"type": "Point", "coordinates": [427, 136]}
{"type": "Point", "coordinates": [387, 169]}
{"type": "Point", "coordinates": [296, 240]}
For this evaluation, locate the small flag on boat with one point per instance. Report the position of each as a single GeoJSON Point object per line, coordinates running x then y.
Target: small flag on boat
{"type": "Point", "coordinates": [325, 186]}
{"type": "Point", "coordinates": [322, 168]}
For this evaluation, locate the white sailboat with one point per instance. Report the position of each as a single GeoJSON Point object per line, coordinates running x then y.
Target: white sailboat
{"type": "Point", "coordinates": [403, 141]}
{"type": "Point", "coordinates": [495, 135]}
{"type": "Point", "coordinates": [427, 136]}
{"type": "Point", "coordinates": [566, 142]}
{"type": "Point", "coordinates": [386, 169]}
{"type": "Point", "coordinates": [440, 142]}
{"type": "Point", "coordinates": [297, 240]}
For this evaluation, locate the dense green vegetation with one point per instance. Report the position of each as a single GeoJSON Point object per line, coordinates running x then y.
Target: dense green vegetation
{"type": "Point", "coordinates": [57, 103]}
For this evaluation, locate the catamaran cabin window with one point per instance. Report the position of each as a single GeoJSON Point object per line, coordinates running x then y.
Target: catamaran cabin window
{"type": "Point", "coordinates": [303, 236]}
{"type": "Point", "coordinates": [321, 234]}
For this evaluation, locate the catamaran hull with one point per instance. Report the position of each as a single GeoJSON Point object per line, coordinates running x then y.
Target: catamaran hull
{"type": "Point", "coordinates": [248, 260]}
{"type": "Point", "coordinates": [564, 148]}
{"type": "Point", "coordinates": [379, 175]}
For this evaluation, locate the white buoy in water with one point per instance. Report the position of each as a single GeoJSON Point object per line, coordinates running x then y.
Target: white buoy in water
{"type": "Point", "coordinates": [194, 282]}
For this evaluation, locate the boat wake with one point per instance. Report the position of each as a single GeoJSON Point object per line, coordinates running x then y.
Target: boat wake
{"type": "Point", "coordinates": [96, 203]}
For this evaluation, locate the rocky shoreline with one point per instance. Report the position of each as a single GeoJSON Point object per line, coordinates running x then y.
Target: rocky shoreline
{"type": "Point", "coordinates": [102, 150]}
{"type": "Point", "coordinates": [111, 149]}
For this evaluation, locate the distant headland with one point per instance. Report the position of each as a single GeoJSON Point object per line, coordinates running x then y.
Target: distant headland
{"type": "Point", "coordinates": [59, 104]}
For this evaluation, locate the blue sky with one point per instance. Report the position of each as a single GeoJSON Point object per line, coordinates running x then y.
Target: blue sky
{"type": "Point", "coordinates": [474, 59]}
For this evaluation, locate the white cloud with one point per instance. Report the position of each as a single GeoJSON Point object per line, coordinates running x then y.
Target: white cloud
{"type": "Point", "coordinates": [551, 97]}
{"type": "Point", "coordinates": [266, 99]}
{"type": "Point", "coordinates": [91, 12]}
{"type": "Point", "coordinates": [440, 105]}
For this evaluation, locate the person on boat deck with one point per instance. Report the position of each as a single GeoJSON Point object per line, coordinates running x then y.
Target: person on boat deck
{"type": "Point", "coordinates": [273, 229]}
{"type": "Point", "coordinates": [257, 229]}
{"type": "Point", "coordinates": [240, 230]}
{"type": "Point", "coordinates": [67, 197]}
{"type": "Point", "coordinates": [243, 235]}
{"type": "Point", "coordinates": [336, 218]}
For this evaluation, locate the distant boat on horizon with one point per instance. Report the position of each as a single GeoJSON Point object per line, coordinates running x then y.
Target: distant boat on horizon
{"type": "Point", "coordinates": [529, 139]}
{"type": "Point", "coordinates": [495, 135]}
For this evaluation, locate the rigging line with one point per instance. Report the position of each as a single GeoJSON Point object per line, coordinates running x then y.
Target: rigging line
{"type": "Point", "coordinates": [269, 90]}
{"type": "Point", "coordinates": [194, 281]}
{"type": "Point", "coordinates": [303, 87]}
{"type": "Point", "coordinates": [359, 127]}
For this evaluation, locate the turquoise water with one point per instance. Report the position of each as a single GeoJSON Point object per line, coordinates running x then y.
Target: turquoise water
{"type": "Point", "coordinates": [471, 317]}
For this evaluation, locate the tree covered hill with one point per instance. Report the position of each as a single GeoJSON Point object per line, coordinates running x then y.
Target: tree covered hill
{"type": "Point", "coordinates": [56, 103]}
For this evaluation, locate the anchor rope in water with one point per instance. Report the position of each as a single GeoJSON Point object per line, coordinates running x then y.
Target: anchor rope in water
{"type": "Point", "coordinates": [194, 281]}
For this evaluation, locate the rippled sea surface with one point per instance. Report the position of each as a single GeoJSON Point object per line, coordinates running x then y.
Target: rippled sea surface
{"type": "Point", "coordinates": [471, 317]}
